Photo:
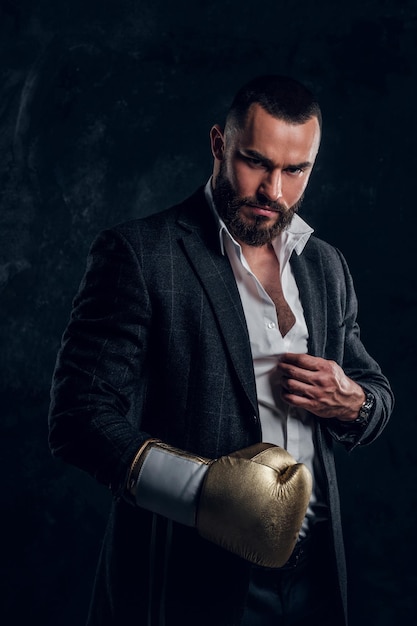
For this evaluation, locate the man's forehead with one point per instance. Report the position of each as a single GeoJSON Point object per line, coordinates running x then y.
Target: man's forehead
{"type": "Point", "coordinates": [266, 134]}
{"type": "Point", "coordinates": [258, 118]}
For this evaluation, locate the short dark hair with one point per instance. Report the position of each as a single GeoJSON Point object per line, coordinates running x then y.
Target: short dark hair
{"type": "Point", "coordinates": [281, 96]}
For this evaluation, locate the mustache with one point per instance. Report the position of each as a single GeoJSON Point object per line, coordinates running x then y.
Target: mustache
{"type": "Point", "coordinates": [277, 207]}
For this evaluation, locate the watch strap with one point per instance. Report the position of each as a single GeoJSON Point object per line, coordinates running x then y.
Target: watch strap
{"type": "Point", "coordinates": [366, 409]}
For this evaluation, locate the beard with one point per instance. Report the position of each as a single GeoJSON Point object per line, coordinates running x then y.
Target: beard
{"type": "Point", "coordinates": [256, 232]}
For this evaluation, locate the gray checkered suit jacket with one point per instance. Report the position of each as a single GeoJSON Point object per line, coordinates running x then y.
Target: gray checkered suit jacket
{"type": "Point", "coordinates": [157, 345]}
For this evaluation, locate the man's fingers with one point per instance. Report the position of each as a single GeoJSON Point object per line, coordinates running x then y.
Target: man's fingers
{"type": "Point", "coordinates": [302, 361]}
{"type": "Point", "coordinates": [288, 372]}
{"type": "Point", "coordinates": [292, 370]}
{"type": "Point", "coordinates": [294, 383]}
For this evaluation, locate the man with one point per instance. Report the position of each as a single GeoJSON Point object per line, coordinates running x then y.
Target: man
{"type": "Point", "coordinates": [198, 334]}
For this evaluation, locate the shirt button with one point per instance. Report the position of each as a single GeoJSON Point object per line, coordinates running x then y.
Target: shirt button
{"type": "Point", "coordinates": [271, 325]}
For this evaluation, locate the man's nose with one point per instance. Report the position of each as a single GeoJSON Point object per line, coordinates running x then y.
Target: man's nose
{"type": "Point", "coordinates": [271, 186]}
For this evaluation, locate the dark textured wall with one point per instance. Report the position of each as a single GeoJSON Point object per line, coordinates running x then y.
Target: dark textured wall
{"type": "Point", "coordinates": [105, 110]}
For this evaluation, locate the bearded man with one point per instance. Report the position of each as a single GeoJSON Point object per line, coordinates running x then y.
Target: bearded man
{"type": "Point", "coordinates": [211, 362]}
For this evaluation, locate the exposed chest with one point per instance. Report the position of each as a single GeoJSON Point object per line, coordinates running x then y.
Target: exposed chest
{"type": "Point", "coordinates": [267, 270]}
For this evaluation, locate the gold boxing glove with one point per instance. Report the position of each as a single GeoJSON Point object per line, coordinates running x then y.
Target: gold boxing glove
{"type": "Point", "coordinates": [251, 502]}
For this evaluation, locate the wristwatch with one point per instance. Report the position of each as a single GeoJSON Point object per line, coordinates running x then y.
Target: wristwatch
{"type": "Point", "coordinates": [366, 409]}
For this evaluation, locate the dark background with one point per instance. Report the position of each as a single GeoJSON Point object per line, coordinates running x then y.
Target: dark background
{"type": "Point", "coordinates": [105, 109]}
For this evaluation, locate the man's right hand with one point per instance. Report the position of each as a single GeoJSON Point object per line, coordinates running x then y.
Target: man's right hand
{"type": "Point", "coordinates": [251, 502]}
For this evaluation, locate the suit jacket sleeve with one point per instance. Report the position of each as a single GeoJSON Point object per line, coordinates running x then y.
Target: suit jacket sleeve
{"type": "Point", "coordinates": [362, 368]}
{"type": "Point", "coordinates": [99, 381]}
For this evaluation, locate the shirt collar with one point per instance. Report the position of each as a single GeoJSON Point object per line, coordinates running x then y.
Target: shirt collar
{"type": "Point", "coordinates": [294, 237]}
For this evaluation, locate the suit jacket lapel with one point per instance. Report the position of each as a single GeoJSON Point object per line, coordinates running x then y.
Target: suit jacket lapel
{"type": "Point", "coordinates": [201, 245]}
{"type": "Point", "coordinates": [310, 279]}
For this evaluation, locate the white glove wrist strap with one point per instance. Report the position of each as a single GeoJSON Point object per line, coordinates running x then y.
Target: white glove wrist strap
{"type": "Point", "coordinates": [169, 484]}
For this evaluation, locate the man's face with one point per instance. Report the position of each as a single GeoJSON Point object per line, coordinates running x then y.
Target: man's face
{"type": "Point", "coordinates": [261, 172]}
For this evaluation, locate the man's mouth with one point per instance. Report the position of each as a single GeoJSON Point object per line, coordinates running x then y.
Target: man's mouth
{"type": "Point", "coordinates": [263, 210]}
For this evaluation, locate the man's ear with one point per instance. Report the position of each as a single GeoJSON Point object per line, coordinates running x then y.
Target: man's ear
{"type": "Point", "coordinates": [217, 142]}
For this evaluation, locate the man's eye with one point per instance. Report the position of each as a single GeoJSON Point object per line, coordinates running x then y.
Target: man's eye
{"type": "Point", "coordinates": [254, 161]}
{"type": "Point", "coordinates": [294, 171]}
